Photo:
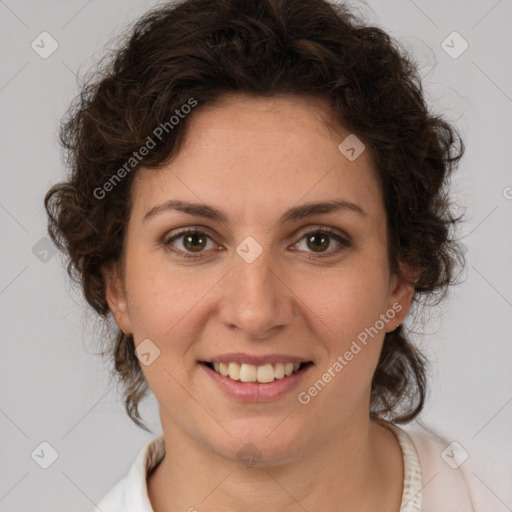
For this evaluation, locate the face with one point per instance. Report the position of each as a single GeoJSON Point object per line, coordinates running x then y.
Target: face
{"type": "Point", "coordinates": [259, 279]}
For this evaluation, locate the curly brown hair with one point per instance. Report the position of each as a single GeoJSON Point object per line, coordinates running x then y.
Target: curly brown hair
{"type": "Point", "coordinates": [202, 49]}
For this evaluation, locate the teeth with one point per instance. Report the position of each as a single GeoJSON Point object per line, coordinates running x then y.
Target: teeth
{"type": "Point", "coordinates": [251, 373]}
{"type": "Point", "coordinates": [223, 369]}
{"type": "Point", "coordinates": [234, 371]}
{"type": "Point", "coordinates": [279, 371]}
{"type": "Point", "coordinates": [248, 373]}
{"type": "Point", "coordinates": [265, 373]}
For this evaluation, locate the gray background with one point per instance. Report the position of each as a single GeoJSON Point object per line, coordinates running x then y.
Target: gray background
{"type": "Point", "coordinates": [54, 389]}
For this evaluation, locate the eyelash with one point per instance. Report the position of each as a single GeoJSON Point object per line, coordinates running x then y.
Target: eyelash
{"type": "Point", "coordinates": [325, 231]}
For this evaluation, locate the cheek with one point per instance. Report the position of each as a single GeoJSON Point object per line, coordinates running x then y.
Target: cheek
{"type": "Point", "coordinates": [352, 343]}
{"type": "Point", "coordinates": [163, 306]}
{"type": "Point", "coordinates": [159, 299]}
{"type": "Point", "coordinates": [348, 304]}
{"type": "Point", "coordinates": [348, 300]}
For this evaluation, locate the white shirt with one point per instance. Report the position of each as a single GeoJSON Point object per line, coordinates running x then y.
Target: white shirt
{"type": "Point", "coordinates": [433, 480]}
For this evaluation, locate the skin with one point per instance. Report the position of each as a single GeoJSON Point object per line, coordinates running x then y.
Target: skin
{"type": "Point", "coordinates": [254, 158]}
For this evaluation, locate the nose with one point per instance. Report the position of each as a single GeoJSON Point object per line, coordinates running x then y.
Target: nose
{"type": "Point", "coordinates": [255, 298]}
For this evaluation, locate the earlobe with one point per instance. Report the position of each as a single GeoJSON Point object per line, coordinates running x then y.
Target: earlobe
{"type": "Point", "coordinates": [115, 295]}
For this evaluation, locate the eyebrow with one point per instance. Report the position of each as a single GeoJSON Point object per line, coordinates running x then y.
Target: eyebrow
{"type": "Point", "coordinates": [293, 214]}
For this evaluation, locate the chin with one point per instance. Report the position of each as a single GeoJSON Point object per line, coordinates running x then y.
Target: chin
{"type": "Point", "coordinates": [261, 443]}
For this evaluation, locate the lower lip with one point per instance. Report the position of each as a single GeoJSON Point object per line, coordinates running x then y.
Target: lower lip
{"type": "Point", "coordinates": [255, 391]}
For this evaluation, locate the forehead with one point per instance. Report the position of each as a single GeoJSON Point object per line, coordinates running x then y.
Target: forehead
{"type": "Point", "coordinates": [258, 153]}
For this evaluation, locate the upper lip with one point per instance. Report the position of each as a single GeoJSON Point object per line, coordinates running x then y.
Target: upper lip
{"type": "Point", "coordinates": [256, 360]}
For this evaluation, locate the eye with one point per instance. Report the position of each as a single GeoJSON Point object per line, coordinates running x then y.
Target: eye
{"type": "Point", "coordinates": [193, 241]}
{"type": "Point", "coordinates": [321, 239]}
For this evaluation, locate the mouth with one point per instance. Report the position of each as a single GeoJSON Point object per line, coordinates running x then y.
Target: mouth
{"type": "Point", "coordinates": [261, 374]}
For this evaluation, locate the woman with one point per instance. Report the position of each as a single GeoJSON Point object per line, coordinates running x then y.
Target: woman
{"type": "Point", "coordinates": [258, 197]}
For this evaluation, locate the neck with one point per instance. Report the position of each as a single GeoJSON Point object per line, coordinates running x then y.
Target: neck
{"type": "Point", "coordinates": [357, 468]}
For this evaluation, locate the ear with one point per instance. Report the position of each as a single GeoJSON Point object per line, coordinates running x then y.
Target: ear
{"type": "Point", "coordinates": [115, 294]}
{"type": "Point", "coordinates": [401, 295]}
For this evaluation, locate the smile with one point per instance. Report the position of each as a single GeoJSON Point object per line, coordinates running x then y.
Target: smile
{"type": "Point", "coordinates": [262, 374]}
{"type": "Point", "coordinates": [262, 382]}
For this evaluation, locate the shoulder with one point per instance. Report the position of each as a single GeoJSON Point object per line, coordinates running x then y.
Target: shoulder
{"type": "Point", "coordinates": [450, 476]}
{"type": "Point", "coordinates": [130, 494]}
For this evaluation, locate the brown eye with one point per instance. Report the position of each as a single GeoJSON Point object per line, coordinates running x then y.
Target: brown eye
{"type": "Point", "coordinates": [192, 241]}
{"type": "Point", "coordinates": [320, 240]}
